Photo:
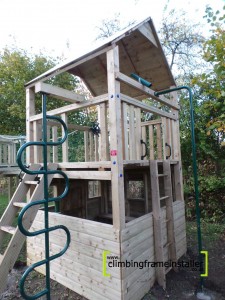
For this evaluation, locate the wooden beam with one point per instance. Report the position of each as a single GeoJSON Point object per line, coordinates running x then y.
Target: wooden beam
{"type": "Point", "coordinates": [145, 29]}
{"type": "Point", "coordinates": [116, 151]}
{"type": "Point", "coordinates": [147, 91]}
{"type": "Point", "coordinates": [73, 107]}
{"type": "Point", "coordinates": [85, 165]}
{"type": "Point", "coordinates": [147, 107]}
{"type": "Point", "coordinates": [90, 175]}
{"type": "Point", "coordinates": [58, 92]}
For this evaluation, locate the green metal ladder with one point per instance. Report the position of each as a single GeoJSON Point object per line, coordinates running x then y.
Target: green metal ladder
{"type": "Point", "coordinates": [45, 172]}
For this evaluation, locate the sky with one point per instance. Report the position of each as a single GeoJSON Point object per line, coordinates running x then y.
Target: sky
{"type": "Point", "coordinates": [69, 27]}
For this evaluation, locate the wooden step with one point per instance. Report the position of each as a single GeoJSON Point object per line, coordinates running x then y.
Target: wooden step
{"type": "Point", "coordinates": [8, 229]}
{"type": "Point", "coordinates": [162, 198]}
{"type": "Point", "coordinates": [19, 204]}
{"type": "Point", "coordinates": [31, 182]}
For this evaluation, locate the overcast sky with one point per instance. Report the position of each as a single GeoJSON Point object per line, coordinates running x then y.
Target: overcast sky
{"type": "Point", "coordinates": [52, 25]}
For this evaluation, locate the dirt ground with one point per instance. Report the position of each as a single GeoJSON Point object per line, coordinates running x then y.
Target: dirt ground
{"type": "Point", "coordinates": [181, 285]}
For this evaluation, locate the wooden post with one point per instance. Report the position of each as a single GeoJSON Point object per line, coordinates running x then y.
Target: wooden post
{"type": "Point", "coordinates": [138, 133]}
{"type": "Point", "coordinates": [159, 141]}
{"type": "Point", "coordinates": [151, 142]}
{"type": "Point", "coordinates": [30, 111]}
{"type": "Point", "coordinates": [91, 145]}
{"type": "Point", "coordinates": [86, 148]}
{"type": "Point", "coordinates": [125, 132]}
{"type": "Point", "coordinates": [65, 144]}
{"type": "Point", "coordinates": [116, 151]}
{"type": "Point", "coordinates": [103, 137]}
{"type": "Point", "coordinates": [37, 137]}
{"type": "Point", "coordinates": [55, 148]}
{"type": "Point", "coordinates": [132, 146]}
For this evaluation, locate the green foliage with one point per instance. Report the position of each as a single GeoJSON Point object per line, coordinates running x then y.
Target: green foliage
{"type": "Point", "coordinates": [17, 67]}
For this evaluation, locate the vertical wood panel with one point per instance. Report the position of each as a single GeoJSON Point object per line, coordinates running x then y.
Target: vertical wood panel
{"type": "Point", "coordinates": [30, 111]}
{"type": "Point", "coordinates": [86, 148]}
{"type": "Point", "coordinates": [138, 133]}
{"type": "Point", "coordinates": [103, 138]}
{"type": "Point", "coordinates": [151, 142]}
{"type": "Point", "coordinates": [65, 144]}
{"type": "Point", "coordinates": [132, 146]}
{"type": "Point", "coordinates": [159, 141]}
{"type": "Point", "coordinates": [55, 148]}
{"type": "Point", "coordinates": [144, 138]}
{"type": "Point", "coordinates": [125, 132]}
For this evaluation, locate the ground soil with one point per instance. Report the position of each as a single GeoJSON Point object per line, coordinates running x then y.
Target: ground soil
{"type": "Point", "coordinates": [180, 285]}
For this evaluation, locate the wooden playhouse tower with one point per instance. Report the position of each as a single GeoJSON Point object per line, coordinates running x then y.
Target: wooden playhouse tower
{"type": "Point", "coordinates": [126, 196]}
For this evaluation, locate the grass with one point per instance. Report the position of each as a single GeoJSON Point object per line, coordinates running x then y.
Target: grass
{"type": "Point", "coordinates": [3, 203]}
{"type": "Point", "coordinates": [211, 232]}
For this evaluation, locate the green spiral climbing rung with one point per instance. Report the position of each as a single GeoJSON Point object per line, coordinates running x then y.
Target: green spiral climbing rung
{"type": "Point", "coordinates": [45, 172]}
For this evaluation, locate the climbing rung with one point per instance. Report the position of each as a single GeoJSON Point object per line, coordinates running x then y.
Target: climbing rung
{"type": "Point", "coordinates": [162, 175]}
{"type": "Point", "coordinates": [19, 204]}
{"type": "Point", "coordinates": [31, 182]}
{"type": "Point", "coordinates": [8, 229]}
{"type": "Point", "coordinates": [162, 198]}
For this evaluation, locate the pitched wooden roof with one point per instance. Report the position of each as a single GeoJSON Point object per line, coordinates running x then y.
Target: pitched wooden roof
{"type": "Point", "coordinates": [140, 52]}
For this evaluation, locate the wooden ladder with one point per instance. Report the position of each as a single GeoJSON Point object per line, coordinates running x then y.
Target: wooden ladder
{"type": "Point", "coordinates": [34, 185]}
{"type": "Point", "coordinates": [160, 246]}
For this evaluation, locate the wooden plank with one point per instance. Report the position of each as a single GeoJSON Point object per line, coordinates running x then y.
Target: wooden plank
{"type": "Point", "coordinates": [91, 145]}
{"type": "Point", "coordinates": [159, 141]}
{"type": "Point", "coordinates": [96, 142]}
{"type": "Point", "coordinates": [116, 151]}
{"type": "Point", "coordinates": [86, 165]}
{"type": "Point", "coordinates": [132, 144]}
{"type": "Point", "coordinates": [125, 131]}
{"type": "Point", "coordinates": [179, 194]}
{"type": "Point", "coordinates": [30, 111]}
{"type": "Point", "coordinates": [138, 132]}
{"type": "Point", "coordinates": [54, 148]}
{"type": "Point", "coordinates": [169, 210]}
{"type": "Point", "coordinates": [157, 219]}
{"type": "Point", "coordinates": [147, 107]}
{"type": "Point", "coordinates": [90, 175]}
{"type": "Point", "coordinates": [103, 138]}
{"type": "Point", "coordinates": [86, 147]}
{"type": "Point", "coordinates": [58, 92]}
{"type": "Point", "coordinates": [145, 29]}
{"type": "Point", "coordinates": [65, 154]}
{"type": "Point", "coordinates": [151, 142]}
{"type": "Point", "coordinates": [144, 138]}
{"type": "Point", "coordinates": [152, 122]}
{"type": "Point", "coordinates": [147, 91]}
{"type": "Point", "coordinates": [73, 107]}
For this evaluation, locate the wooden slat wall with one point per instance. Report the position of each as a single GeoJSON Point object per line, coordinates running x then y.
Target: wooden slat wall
{"type": "Point", "coordinates": [137, 245]}
{"type": "Point", "coordinates": [80, 268]}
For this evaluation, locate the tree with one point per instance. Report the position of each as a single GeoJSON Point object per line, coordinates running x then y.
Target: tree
{"type": "Point", "coordinates": [16, 68]}
{"type": "Point", "coordinates": [182, 42]}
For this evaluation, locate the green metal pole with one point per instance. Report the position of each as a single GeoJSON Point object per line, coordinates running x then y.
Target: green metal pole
{"type": "Point", "coordinates": [195, 169]}
{"type": "Point", "coordinates": [45, 166]}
